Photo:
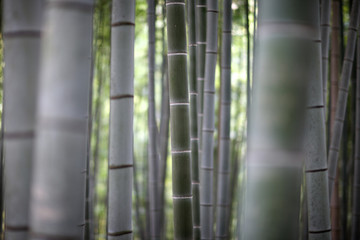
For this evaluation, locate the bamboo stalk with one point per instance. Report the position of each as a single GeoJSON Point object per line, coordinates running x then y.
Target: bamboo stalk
{"type": "Point", "coordinates": [22, 36]}
{"type": "Point", "coordinates": [62, 122]}
{"type": "Point", "coordinates": [179, 119]}
{"type": "Point", "coordinates": [285, 51]}
{"type": "Point", "coordinates": [325, 39]}
{"type": "Point", "coordinates": [193, 119]}
{"type": "Point", "coordinates": [337, 129]}
{"type": "Point", "coordinates": [223, 194]}
{"type": "Point", "coordinates": [208, 126]}
{"type": "Point", "coordinates": [121, 121]}
{"type": "Point", "coordinates": [316, 171]}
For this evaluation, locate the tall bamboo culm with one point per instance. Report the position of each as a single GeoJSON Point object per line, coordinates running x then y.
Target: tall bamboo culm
{"type": "Point", "coordinates": [317, 191]}
{"type": "Point", "coordinates": [337, 128]}
{"type": "Point", "coordinates": [355, 230]}
{"type": "Point", "coordinates": [153, 156]}
{"type": "Point", "coordinates": [285, 50]}
{"type": "Point", "coordinates": [58, 189]}
{"type": "Point", "coordinates": [223, 194]}
{"type": "Point", "coordinates": [200, 17]}
{"type": "Point", "coordinates": [121, 121]}
{"type": "Point", "coordinates": [179, 119]}
{"type": "Point", "coordinates": [193, 120]}
{"type": "Point", "coordinates": [325, 39]}
{"type": "Point", "coordinates": [22, 35]}
{"type": "Point", "coordinates": [208, 126]}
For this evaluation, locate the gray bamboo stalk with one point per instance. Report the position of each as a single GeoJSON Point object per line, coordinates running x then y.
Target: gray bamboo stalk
{"type": "Point", "coordinates": [153, 156]}
{"type": "Point", "coordinates": [274, 164]}
{"type": "Point", "coordinates": [223, 194]}
{"type": "Point", "coordinates": [208, 126]}
{"type": "Point", "coordinates": [317, 192]}
{"type": "Point", "coordinates": [193, 120]}
{"type": "Point", "coordinates": [58, 190]}
{"type": "Point", "coordinates": [337, 129]}
{"type": "Point", "coordinates": [21, 32]}
{"type": "Point", "coordinates": [200, 26]}
{"type": "Point", "coordinates": [121, 121]}
{"type": "Point", "coordinates": [325, 39]}
{"type": "Point", "coordinates": [355, 230]}
{"type": "Point", "coordinates": [179, 119]}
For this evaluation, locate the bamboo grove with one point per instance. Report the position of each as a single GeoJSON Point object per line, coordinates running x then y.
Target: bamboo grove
{"type": "Point", "coordinates": [180, 119]}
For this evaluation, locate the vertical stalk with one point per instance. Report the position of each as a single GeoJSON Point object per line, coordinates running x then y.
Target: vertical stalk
{"type": "Point", "coordinates": [22, 32]}
{"type": "Point", "coordinates": [355, 230]}
{"type": "Point", "coordinates": [121, 120]}
{"type": "Point", "coordinates": [316, 171]}
{"type": "Point", "coordinates": [207, 157]}
{"type": "Point", "coordinates": [275, 153]}
{"type": "Point", "coordinates": [193, 120]}
{"type": "Point", "coordinates": [325, 39]}
{"type": "Point", "coordinates": [153, 157]}
{"type": "Point", "coordinates": [223, 193]}
{"type": "Point", "coordinates": [62, 122]}
{"type": "Point", "coordinates": [179, 119]}
{"type": "Point", "coordinates": [337, 129]}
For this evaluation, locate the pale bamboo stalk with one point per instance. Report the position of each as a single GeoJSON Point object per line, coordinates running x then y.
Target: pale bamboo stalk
{"type": "Point", "coordinates": [58, 190]}
{"type": "Point", "coordinates": [316, 171]}
{"type": "Point", "coordinates": [179, 119]}
{"type": "Point", "coordinates": [223, 194]}
{"type": "Point", "coordinates": [121, 121]}
{"type": "Point", "coordinates": [153, 155]}
{"type": "Point", "coordinates": [193, 119]}
{"type": "Point", "coordinates": [208, 126]}
{"type": "Point", "coordinates": [337, 129]}
{"type": "Point", "coordinates": [285, 52]}
{"type": "Point", "coordinates": [22, 35]}
{"type": "Point", "coordinates": [355, 230]}
{"type": "Point", "coordinates": [325, 39]}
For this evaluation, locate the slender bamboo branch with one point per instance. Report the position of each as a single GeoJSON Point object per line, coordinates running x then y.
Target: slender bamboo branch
{"type": "Point", "coordinates": [325, 39]}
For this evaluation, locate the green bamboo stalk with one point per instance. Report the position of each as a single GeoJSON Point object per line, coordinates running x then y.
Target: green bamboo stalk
{"type": "Point", "coordinates": [200, 26]}
{"type": "Point", "coordinates": [121, 121]}
{"type": "Point", "coordinates": [153, 156]}
{"type": "Point", "coordinates": [223, 194]}
{"type": "Point", "coordinates": [179, 119]}
{"type": "Point", "coordinates": [319, 226]}
{"type": "Point", "coordinates": [325, 39]}
{"type": "Point", "coordinates": [337, 129]}
{"type": "Point", "coordinates": [355, 230]}
{"type": "Point", "coordinates": [58, 190]}
{"type": "Point", "coordinates": [208, 126]}
{"type": "Point", "coordinates": [193, 119]}
{"type": "Point", "coordinates": [22, 32]}
{"type": "Point", "coordinates": [286, 32]}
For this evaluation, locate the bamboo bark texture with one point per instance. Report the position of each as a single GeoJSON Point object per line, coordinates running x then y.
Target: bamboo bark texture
{"type": "Point", "coordinates": [317, 192]}
{"type": "Point", "coordinates": [153, 156]}
{"type": "Point", "coordinates": [355, 229]}
{"type": "Point", "coordinates": [337, 128]}
{"type": "Point", "coordinates": [208, 126]}
{"type": "Point", "coordinates": [22, 35]}
{"type": "Point", "coordinates": [119, 225]}
{"type": "Point", "coordinates": [179, 119]}
{"type": "Point", "coordinates": [58, 190]}
{"type": "Point", "coordinates": [223, 194]}
{"type": "Point", "coordinates": [193, 120]}
{"type": "Point", "coordinates": [285, 48]}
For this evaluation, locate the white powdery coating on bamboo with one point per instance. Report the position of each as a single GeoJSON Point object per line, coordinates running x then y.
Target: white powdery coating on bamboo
{"type": "Point", "coordinates": [177, 54]}
{"type": "Point", "coordinates": [181, 151]}
{"type": "Point", "coordinates": [179, 104]}
{"type": "Point", "coordinates": [175, 3]}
